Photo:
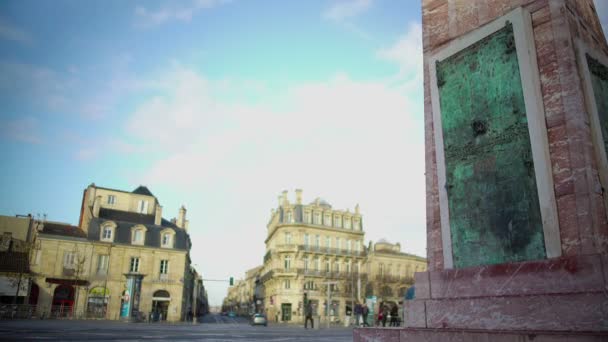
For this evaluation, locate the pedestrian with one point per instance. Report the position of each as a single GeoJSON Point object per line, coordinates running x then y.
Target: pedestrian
{"type": "Point", "coordinates": [394, 316]}
{"type": "Point", "coordinates": [308, 313]}
{"type": "Point", "coordinates": [358, 310]}
{"type": "Point", "coordinates": [365, 312]}
{"type": "Point", "coordinates": [384, 315]}
{"type": "Point", "coordinates": [380, 316]}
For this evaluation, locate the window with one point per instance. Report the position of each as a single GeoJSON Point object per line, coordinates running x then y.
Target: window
{"type": "Point", "coordinates": [347, 222]}
{"type": "Point", "coordinates": [167, 240]}
{"type": "Point", "coordinates": [69, 260]}
{"type": "Point", "coordinates": [328, 242]}
{"type": "Point", "coordinates": [134, 267]}
{"type": "Point", "coordinates": [327, 220]}
{"type": "Point", "coordinates": [357, 247]}
{"type": "Point", "coordinates": [305, 264]}
{"type": "Point", "coordinates": [338, 245]}
{"type": "Point", "coordinates": [138, 235]}
{"type": "Point", "coordinates": [288, 217]}
{"type": "Point", "coordinates": [286, 284]}
{"type": "Point", "coordinates": [102, 263]}
{"type": "Point", "coordinates": [348, 266]}
{"type": "Point", "coordinates": [337, 221]}
{"type": "Point", "coordinates": [288, 238]}
{"type": "Point", "coordinates": [357, 225]}
{"type": "Point", "coordinates": [306, 240]}
{"type": "Point", "coordinates": [287, 263]}
{"type": "Point", "coordinates": [307, 217]}
{"type": "Point", "coordinates": [142, 207]}
{"type": "Point", "coordinates": [337, 266]}
{"type": "Point", "coordinates": [309, 285]}
{"type": "Point", "coordinates": [317, 242]}
{"type": "Point", "coordinates": [327, 265]}
{"type": "Point", "coordinates": [111, 199]}
{"type": "Point", "coordinates": [349, 246]}
{"type": "Point", "coordinates": [317, 218]}
{"type": "Point", "coordinates": [317, 264]}
{"type": "Point", "coordinates": [164, 266]}
{"type": "Point", "coordinates": [107, 233]}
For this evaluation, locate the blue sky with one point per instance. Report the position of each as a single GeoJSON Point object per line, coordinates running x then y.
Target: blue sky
{"type": "Point", "coordinates": [218, 105]}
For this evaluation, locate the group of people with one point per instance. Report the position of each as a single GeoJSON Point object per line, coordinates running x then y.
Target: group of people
{"type": "Point", "coordinates": [384, 315]}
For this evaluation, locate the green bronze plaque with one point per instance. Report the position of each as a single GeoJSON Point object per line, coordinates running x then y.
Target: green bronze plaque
{"type": "Point", "coordinates": [490, 179]}
{"type": "Point", "coordinates": [599, 82]}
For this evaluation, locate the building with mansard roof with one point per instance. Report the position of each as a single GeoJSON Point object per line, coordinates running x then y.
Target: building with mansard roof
{"type": "Point", "coordinates": [122, 261]}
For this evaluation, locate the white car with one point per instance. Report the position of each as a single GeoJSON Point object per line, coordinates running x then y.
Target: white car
{"type": "Point", "coordinates": [259, 319]}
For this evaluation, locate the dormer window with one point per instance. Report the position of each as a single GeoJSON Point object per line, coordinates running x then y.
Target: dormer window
{"type": "Point", "coordinates": [107, 231]}
{"type": "Point", "coordinates": [289, 217]}
{"type": "Point", "coordinates": [327, 220]}
{"type": "Point", "coordinates": [337, 221]}
{"type": "Point", "coordinates": [111, 199]}
{"type": "Point", "coordinates": [347, 223]}
{"type": "Point", "coordinates": [167, 238]}
{"type": "Point", "coordinates": [142, 207]}
{"type": "Point", "coordinates": [317, 218]}
{"type": "Point", "coordinates": [307, 217]}
{"type": "Point", "coordinates": [138, 235]}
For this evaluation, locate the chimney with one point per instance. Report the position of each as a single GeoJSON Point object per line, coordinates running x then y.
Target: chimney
{"type": "Point", "coordinates": [357, 209]}
{"type": "Point", "coordinates": [181, 219]}
{"type": "Point", "coordinates": [298, 196]}
{"type": "Point", "coordinates": [158, 217]}
{"type": "Point", "coordinates": [96, 206]}
{"type": "Point", "coordinates": [285, 201]}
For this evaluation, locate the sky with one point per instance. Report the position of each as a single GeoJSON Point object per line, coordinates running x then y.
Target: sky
{"type": "Point", "coordinates": [218, 105]}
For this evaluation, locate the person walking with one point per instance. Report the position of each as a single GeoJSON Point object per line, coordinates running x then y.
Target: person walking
{"type": "Point", "coordinates": [394, 316]}
{"type": "Point", "coordinates": [365, 312]}
{"type": "Point", "coordinates": [358, 310]}
{"type": "Point", "coordinates": [384, 315]}
{"type": "Point", "coordinates": [308, 313]}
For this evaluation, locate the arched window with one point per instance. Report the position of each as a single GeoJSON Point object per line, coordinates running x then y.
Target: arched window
{"type": "Point", "coordinates": [167, 238]}
{"type": "Point", "coordinates": [138, 235]}
{"type": "Point", "coordinates": [107, 231]}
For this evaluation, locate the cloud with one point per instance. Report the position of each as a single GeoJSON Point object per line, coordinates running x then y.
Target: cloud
{"type": "Point", "coordinates": [12, 33]}
{"type": "Point", "coordinates": [347, 140]}
{"type": "Point", "coordinates": [406, 52]}
{"type": "Point", "coordinates": [343, 10]}
{"type": "Point", "coordinates": [146, 18]}
{"type": "Point", "coordinates": [25, 130]}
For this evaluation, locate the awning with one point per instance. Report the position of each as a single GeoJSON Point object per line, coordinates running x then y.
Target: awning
{"type": "Point", "coordinates": [72, 282]}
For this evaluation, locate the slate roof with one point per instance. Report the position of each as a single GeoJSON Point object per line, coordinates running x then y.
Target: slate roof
{"type": "Point", "coordinates": [142, 190]}
{"type": "Point", "coordinates": [126, 220]}
{"type": "Point", "coordinates": [63, 229]}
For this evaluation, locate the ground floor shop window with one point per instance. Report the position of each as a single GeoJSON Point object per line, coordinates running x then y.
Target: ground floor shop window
{"type": "Point", "coordinates": [97, 304]}
{"type": "Point", "coordinates": [160, 305]}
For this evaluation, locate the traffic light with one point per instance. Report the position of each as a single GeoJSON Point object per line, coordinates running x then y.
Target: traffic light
{"type": "Point", "coordinates": [231, 281]}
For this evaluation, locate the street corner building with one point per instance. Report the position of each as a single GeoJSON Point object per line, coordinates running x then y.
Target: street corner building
{"type": "Point", "coordinates": [122, 261]}
{"type": "Point", "coordinates": [314, 252]}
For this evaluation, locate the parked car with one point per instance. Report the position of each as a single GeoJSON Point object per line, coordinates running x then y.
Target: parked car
{"type": "Point", "coordinates": [231, 314]}
{"type": "Point", "coordinates": [259, 319]}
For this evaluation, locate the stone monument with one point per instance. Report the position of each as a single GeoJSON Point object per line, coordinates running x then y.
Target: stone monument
{"type": "Point", "coordinates": [516, 121]}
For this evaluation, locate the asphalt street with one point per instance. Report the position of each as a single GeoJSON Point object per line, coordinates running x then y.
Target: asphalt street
{"type": "Point", "coordinates": [211, 328]}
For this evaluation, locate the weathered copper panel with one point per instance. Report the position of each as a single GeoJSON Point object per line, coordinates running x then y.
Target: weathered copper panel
{"type": "Point", "coordinates": [490, 178]}
{"type": "Point", "coordinates": [599, 82]}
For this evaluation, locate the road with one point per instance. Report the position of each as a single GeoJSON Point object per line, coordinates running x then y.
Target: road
{"type": "Point", "coordinates": [212, 328]}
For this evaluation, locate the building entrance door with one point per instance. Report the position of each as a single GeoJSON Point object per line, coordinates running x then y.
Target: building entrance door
{"type": "Point", "coordinates": [286, 312]}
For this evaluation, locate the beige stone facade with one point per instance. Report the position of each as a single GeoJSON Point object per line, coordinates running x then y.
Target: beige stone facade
{"type": "Point", "coordinates": [310, 247]}
{"type": "Point", "coordinates": [123, 261]}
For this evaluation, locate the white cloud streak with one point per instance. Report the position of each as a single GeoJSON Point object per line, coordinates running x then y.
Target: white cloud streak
{"type": "Point", "coordinates": [344, 10]}
{"type": "Point", "coordinates": [146, 18]}
{"type": "Point", "coordinates": [13, 33]}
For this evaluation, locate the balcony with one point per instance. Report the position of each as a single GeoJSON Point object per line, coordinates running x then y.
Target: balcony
{"type": "Point", "coordinates": [331, 251]}
{"type": "Point", "coordinates": [394, 279]}
{"type": "Point", "coordinates": [330, 275]}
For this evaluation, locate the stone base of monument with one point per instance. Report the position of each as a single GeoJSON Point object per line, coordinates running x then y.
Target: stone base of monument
{"type": "Point", "coordinates": [556, 299]}
{"type": "Point", "coordinates": [469, 335]}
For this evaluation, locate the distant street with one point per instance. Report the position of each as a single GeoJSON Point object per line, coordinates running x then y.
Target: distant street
{"type": "Point", "coordinates": [212, 328]}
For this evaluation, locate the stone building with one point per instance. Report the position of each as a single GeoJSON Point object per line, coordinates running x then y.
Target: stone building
{"type": "Point", "coordinates": [17, 235]}
{"type": "Point", "coordinates": [390, 271]}
{"type": "Point", "coordinates": [310, 247]}
{"type": "Point", "coordinates": [123, 261]}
